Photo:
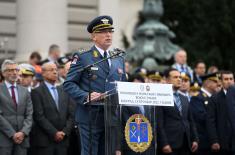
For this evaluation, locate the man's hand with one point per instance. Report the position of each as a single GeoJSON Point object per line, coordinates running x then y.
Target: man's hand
{"type": "Point", "coordinates": [215, 147]}
{"type": "Point", "coordinates": [18, 137]}
{"type": "Point", "coordinates": [118, 153]}
{"type": "Point", "coordinates": [95, 96]}
{"type": "Point", "coordinates": [59, 136]}
{"type": "Point", "coordinates": [167, 149]}
{"type": "Point", "coordinates": [194, 146]}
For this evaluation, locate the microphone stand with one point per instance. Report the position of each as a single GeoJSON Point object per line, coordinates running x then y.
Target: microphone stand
{"type": "Point", "coordinates": [89, 69]}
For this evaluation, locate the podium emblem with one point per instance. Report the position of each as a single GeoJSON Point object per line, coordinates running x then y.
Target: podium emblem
{"type": "Point", "coordinates": [138, 133]}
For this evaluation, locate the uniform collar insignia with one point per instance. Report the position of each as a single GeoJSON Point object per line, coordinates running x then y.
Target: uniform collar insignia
{"type": "Point", "coordinates": [95, 54]}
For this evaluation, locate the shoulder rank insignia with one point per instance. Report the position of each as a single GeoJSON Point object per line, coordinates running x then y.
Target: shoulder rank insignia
{"type": "Point", "coordinates": [95, 54]}
{"type": "Point", "coordinates": [138, 133]}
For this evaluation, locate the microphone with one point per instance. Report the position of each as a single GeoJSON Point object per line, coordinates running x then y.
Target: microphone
{"type": "Point", "coordinates": [118, 50]}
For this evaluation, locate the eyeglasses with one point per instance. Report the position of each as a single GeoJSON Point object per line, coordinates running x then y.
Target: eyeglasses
{"type": "Point", "coordinates": [52, 69]}
{"type": "Point", "coordinates": [12, 70]}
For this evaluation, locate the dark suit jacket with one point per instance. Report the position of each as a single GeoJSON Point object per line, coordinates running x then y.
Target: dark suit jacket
{"type": "Point", "coordinates": [172, 126]}
{"type": "Point", "coordinates": [198, 106]}
{"type": "Point", "coordinates": [48, 119]}
{"type": "Point", "coordinates": [77, 83]}
{"type": "Point", "coordinates": [218, 122]}
{"type": "Point", "coordinates": [230, 98]}
{"type": "Point", "coordinates": [14, 120]}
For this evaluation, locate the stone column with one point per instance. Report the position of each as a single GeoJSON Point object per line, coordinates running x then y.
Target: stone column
{"type": "Point", "coordinates": [40, 23]}
{"type": "Point", "coordinates": [111, 8]}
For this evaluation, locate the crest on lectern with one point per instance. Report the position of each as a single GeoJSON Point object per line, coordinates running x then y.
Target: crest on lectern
{"type": "Point", "coordinates": [138, 133]}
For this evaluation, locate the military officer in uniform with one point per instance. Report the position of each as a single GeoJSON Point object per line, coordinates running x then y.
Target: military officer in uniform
{"type": "Point", "coordinates": [198, 106]}
{"type": "Point", "coordinates": [90, 115]}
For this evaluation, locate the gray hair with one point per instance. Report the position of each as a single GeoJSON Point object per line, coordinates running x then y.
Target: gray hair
{"type": "Point", "coordinates": [7, 62]}
{"type": "Point", "coordinates": [46, 64]}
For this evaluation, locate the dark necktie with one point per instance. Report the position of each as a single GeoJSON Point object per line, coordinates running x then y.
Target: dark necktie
{"type": "Point", "coordinates": [13, 96]}
{"type": "Point", "coordinates": [106, 62]}
{"type": "Point", "coordinates": [178, 102]}
{"type": "Point", "coordinates": [182, 68]}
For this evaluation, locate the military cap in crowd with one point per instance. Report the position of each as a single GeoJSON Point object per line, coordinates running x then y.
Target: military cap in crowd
{"type": "Point", "coordinates": [155, 75]}
{"type": "Point", "coordinates": [185, 76]}
{"type": "Point", "coordinates": [141, 71]}
{"type": "Point", "coordinates": [211, 76]}
{"type": "Point", "coordinates": [100, 23]}
{"type": "Point", "coordinates": [26, 69]}
{"type": "Point", "coordinates": [194, 86]}
{"type": "Point", "coordinates": [62, 61]}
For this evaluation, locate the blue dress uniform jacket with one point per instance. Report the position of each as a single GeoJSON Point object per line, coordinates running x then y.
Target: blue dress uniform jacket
{"type": "Point", "coordinates": [198, 106]}
{"type": "Point", "coordinates": [77, 83]}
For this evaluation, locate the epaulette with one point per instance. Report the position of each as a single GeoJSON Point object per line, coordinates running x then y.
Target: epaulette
{"type": "Point", "coordinates": [82, 51]}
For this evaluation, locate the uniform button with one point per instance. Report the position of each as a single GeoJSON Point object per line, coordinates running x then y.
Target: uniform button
{"type": "Point", "coordinates": [107, 80]}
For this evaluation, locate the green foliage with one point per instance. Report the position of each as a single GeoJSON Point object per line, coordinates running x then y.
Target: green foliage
{"type": "Point", "coordinates": [205, 28]}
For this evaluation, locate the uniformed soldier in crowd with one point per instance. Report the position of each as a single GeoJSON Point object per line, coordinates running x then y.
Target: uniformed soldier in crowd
{"type": "Point", "coordinates": [198, 106]}
{"type": "Point", "coordinates": [27, 73]}
{"type": "Point", "coordinates": [185, 85]}
{"type": "Point", "coordinates": [61, 69]}
{"type": "Point", "coordinates": [194, 89]}
{"type": "Point", "coordinates": [221, 137]}
{"type": "Point", "coordinates": [154, 77]}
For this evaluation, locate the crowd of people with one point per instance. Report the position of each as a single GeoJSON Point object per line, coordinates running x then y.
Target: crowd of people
{"type": "Point", "coordinates": [43, 103]}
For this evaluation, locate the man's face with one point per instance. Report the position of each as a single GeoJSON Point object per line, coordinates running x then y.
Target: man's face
{"type": "Point", "coordinates": [62, 72]}
{"type": "Point", "coordinates": [227, 80]}
{"type": "Point", "coordinates": [11, 74]}
{"type": "Point", "coordinates": [181, 57]}
{"type": "Point", "coordinates": [50, 73]}
{"type": "Point", "coordinates": [55, 54]}
{"type": "Point", "coordinates": [103, 39]}
{"type": "Point", "coordinates": [185, 86]}
{"type": "Point", "coordinates": [26, 80]}
{"type": "Point", "coordinates": [213, 86]}
{"type": "Point", "coordinates": [200, 69]}
{"type": "Point", "coordinates": [175, 79]}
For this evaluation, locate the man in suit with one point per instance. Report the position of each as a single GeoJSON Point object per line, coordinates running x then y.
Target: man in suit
{"type": "Point", "coordinates": [218, 123]}
{"type": "Point", "coordinates": [15, 112]}
{"type": "Point", "coordinates": [53, 115]}
{"type": "Point", "coordinates": [198, 106]}
{"type": "Point", "coordinates": [177, 133]}
{"type": "Point", "coordinates": [90, 116]}
{"type": "Point", "coordinates": [199, 70]}
{"type": "Point", "coordinates": [181, 63]}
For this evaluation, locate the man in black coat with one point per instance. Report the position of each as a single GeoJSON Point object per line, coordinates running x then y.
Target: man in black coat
{"type": "Point", "coordinates": [198, 105]}
{"type": "Point", "coordinates": [218, 122]}
{"type": "Point", "coordinates": [53, 115]}
{"type": "Point", "coordinates": [176, 128]}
